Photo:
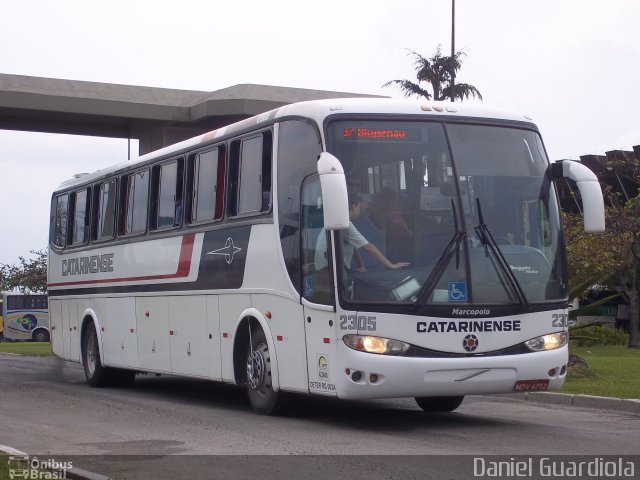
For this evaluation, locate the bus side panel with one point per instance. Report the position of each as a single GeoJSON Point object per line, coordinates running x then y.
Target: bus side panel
{"type": "Point", "coordinates": [188, 335]}
{"type": "Point", "coordinates": [322, 356]}
{"type": "Point", "coordinates": [287, 328]}
{"type": "Point", "coordinates": [118, 319]}
{"type": "Point", "coordinates": [57, 329]}
{"type": "Point", "coordinates": [70, 328]}
{"type": "Point", "coordinates": [231, 306]}
{"type": "Point", "coordinates": [213, 330]}
{"type": "Point", "coordinates": [152, 320]}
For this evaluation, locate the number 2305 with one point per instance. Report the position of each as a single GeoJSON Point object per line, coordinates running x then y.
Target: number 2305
{"type": "Point", "coordinates": [354, 322]}
{"type": "Point", "coordinates": [560, 320]}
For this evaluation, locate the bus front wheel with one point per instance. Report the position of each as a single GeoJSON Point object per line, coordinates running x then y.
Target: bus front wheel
{"type": "Point", "coordinates": [439, 404]}
{"type": "Point", "coordinates": [262, 397]}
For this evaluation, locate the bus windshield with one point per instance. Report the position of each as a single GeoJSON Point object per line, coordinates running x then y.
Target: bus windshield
{"type": "Point", "coordinates": [465, 213]}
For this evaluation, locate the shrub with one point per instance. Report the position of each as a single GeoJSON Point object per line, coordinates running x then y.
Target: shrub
{"type": "Point", "coordinates": [597, 335]}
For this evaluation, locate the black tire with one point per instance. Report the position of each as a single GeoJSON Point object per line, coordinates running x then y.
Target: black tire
{"type": "Point", "coordinates": [262, 397]}
{"type": "Point", "coordinates": [439, 404]}
{"type": "Point", "coordinates": [40, 336]}
{"type": "Point", "coordinates": [94, 372]}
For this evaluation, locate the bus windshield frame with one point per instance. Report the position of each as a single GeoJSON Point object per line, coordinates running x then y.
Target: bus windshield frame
{"type": "Point", "coordinates": [468, 205]}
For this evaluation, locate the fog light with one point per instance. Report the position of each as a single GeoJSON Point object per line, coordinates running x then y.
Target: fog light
{"type": "Point", "coordinates": [373, 378]}
{"type": "Point", "coordinates": [356, 376]}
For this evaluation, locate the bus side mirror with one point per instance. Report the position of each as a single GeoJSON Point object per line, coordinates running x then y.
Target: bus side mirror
{"type": "Point", "coordinates": [590, 192]}
{"type": "Point", "coordinates": [334, 192]}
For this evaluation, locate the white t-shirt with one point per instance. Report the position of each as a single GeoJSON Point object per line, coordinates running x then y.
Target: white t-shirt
{"type": "Point", "coordinates": [352, 240]}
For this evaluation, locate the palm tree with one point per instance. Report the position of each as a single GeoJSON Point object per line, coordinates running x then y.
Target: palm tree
{"type": "Point", "coordinates": [437, 72]}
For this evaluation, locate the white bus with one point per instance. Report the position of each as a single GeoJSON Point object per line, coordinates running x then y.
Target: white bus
{"type": "Point", "coordinates": [238, 256]}
{"type": "Point", "coordinates": [25, 317]}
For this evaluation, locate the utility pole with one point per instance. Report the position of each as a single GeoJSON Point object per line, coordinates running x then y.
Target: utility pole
{"type": "Point", "coordinates": [453, 48]}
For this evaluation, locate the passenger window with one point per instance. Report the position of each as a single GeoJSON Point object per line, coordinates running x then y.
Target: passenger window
{"type": "Point", "coordinates": [59, 215]}
{"type": "Point", "coordinates": [207, 185]}
{"type": "Point", "coordinates": [167, 193]}
{"type": "Point", "coordinates": [250, 180]}
{"type": "Point", "coordinates": [134, 204]}
{"type": "Point", "coordinates": [104, 210]}
{"type": "Point", "coordinates": [79, 217]}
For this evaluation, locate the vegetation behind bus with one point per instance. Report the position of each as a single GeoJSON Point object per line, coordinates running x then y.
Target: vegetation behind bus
{"type": "Point", "coordinates": [613, 256]}
{"type": "Point", "coordinates": [28, 276]}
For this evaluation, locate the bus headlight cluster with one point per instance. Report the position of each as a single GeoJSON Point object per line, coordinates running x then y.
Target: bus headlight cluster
{"type": "Point", "coordinates": [550, 341]}
{"type": "Point", "coordinates": [370, 344]}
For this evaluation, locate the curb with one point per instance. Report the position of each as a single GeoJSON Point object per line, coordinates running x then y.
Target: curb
{"type": "Point", "coordinates": [584, 401]}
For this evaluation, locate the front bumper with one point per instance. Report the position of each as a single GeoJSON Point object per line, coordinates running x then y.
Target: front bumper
{"type": "Point", "coordinates": [383, 376]}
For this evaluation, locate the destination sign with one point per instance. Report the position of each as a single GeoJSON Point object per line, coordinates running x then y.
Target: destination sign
{"type": "Point", "coordinates": [374, 133]}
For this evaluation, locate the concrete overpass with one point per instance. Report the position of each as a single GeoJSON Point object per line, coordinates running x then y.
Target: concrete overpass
{"type": "Point", "coordinates": [155, 116]}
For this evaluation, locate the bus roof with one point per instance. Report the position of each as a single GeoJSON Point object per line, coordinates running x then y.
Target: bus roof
{"type": "Point", "coordinates": [317, 110]}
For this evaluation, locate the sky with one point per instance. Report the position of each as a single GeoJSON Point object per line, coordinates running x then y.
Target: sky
{"type": "Point", "coordinates": [571, 65]}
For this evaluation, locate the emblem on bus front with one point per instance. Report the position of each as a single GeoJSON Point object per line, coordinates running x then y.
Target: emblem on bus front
{"type": "Point", "coordinates": [470, 343]}
{"type": "Point", "coordinates": [229, 250]}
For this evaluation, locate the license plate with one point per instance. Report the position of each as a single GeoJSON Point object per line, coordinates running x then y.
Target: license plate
{"type": "Point", "coordinates": [531, 385]}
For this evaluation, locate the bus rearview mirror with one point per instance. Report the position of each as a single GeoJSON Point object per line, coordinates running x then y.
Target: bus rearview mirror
{"type": "Point", "coordinates": [590, 192]}
{"type": "Point", "coordinates": [334, 192]}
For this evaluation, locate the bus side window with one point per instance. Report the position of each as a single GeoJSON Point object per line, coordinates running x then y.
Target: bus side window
{"type": "Point", "coordinates": [79, 215]}
{"type": "Point", "coordinates": [166, 186]}
{"type": "Point", "coordinates": [250, 179]}
{"type": "Point", "coordinates": [134, 203]}
{"type": "Point", "coordinates": [59, 216]}
{"type": "Point", "coordinates": [104, 210]}
{"type": "Point", "coordinates": [316, 273]}
{"type": "Point", "coordinates": [206, 186]}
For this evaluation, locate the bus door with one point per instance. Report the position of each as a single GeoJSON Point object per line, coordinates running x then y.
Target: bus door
{"type": "Point", "coordinates": [317, 293]}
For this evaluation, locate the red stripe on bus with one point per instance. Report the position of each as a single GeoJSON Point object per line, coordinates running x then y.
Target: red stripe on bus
{"type": "Point", "coordinates": [184, 265]}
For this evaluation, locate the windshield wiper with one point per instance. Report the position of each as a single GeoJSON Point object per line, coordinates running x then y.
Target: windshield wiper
{"type": "Point", "coordinates": [484, 234]}
{"type": "Point", "coordinates": [441, 265]}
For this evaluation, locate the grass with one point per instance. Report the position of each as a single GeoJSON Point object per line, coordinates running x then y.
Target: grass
{"type": "Point", "coordinates": [613, 372]}
{"type": "Point", "coordinates": [26, 348]}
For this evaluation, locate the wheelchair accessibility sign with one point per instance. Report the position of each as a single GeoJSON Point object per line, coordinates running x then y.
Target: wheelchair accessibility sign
{"type": "Point", "coordinates": [457, 291]}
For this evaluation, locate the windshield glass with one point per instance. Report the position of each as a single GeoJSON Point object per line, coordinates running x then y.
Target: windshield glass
{"type": "Point", "coordinates": [476, 223]}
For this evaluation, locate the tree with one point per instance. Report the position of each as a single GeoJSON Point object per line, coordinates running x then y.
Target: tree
{"type": "Point", "coordinates": [29, 276]}
{"type": "Point", "coordinates": [613, 256]}
{"type": "Point", "coordinates": [437, 72]}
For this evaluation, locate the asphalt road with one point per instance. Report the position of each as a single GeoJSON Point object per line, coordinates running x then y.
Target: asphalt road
{"type": "Point", "coordinates": [201, 429]}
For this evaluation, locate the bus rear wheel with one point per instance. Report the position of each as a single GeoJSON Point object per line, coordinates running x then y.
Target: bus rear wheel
{"type": "Point", "coordinates": [40, 336]}
{"type": "Point", "coordinates": [262, 397]}
{"type": "Point", "coordinates": [439, 404]}
{"type": "Point", "coordinates": [94, 372]}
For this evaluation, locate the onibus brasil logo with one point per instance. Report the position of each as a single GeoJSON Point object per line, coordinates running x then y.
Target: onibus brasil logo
{"type": "Point", "coordinates": [24, 466]}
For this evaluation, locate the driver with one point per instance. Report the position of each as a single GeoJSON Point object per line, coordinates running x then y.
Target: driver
{"type": "Point", "coordinates": [352, 242]}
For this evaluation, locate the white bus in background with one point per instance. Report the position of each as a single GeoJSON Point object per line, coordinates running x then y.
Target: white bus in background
{"type": "Point", "coordinates": [227, 256]}
{"type": "Point", "coordinates": [26, 317]}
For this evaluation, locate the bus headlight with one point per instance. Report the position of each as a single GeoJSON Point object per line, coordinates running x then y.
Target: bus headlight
{"type": "Point", "coordinates": [550, 341]}
{"type": "Point", "coordinates": [379, 345]}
